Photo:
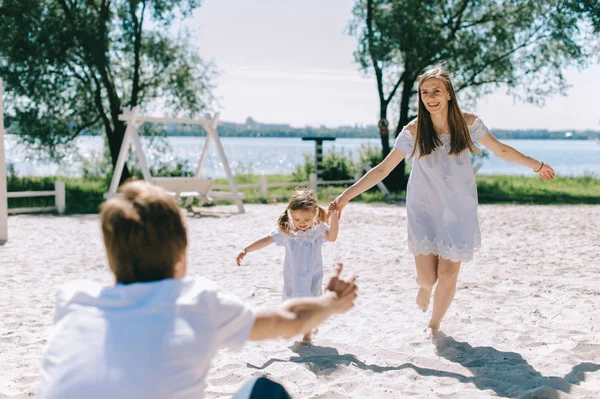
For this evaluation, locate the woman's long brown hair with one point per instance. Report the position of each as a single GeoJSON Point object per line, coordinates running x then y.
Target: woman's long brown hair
{"type": "Point", "coordinates": [427, 139]}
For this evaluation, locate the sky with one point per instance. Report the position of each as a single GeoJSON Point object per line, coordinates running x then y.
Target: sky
{"type": "Point", "coordinates": [283, 61]}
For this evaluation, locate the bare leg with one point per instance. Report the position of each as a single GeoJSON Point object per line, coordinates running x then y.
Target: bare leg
{"type": "Point", "coordinates": [427, 266]}
{"type": "Point", "coordinates": [447, 273]}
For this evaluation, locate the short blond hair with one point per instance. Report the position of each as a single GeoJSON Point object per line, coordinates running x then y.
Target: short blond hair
{"type": "Point", "coordinates": [144, 233]}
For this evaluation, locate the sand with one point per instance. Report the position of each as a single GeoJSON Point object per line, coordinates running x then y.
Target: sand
{"type": "Point", "coordinates": [524, 322]}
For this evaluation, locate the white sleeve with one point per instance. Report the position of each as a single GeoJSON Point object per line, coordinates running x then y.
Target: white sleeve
{"type": "Point", "coordinates": [233, 321]}
{"type": "Point", "coordinates": [324, 228]}
{"type": "Point", "coordinates": [405, 142]}
{"type": "Point", "coordinates": [478, 129]}
{"type": "Point", "coordinates": [278, 236]}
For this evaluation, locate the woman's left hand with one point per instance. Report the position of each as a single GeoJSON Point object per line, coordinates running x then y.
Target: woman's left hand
{"type": "Point", "coordinates": [546, 173]}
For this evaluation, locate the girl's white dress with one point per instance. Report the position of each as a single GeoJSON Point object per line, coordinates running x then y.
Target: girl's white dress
{"type": "Point", "coordinates": [441, 199]}
{"type": "Point", "coordinates": [303, 262]}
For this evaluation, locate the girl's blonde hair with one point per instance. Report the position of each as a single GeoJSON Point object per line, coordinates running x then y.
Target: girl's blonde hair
{"type": "Point", "coordinates": [427, 139]}
{"type": "Point", "coordinates": [305, 200]}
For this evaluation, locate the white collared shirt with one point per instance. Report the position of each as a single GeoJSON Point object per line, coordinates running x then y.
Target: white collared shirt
{"type": "Point", "coordinates": [143, 340]}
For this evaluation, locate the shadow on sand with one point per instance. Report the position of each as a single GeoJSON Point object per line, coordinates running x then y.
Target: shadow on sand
{"type": "Point", "coordinates": [505, 373]}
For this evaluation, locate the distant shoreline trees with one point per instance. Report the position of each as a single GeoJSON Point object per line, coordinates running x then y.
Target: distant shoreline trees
{"type": "Point", "coordinates": [229, 129]}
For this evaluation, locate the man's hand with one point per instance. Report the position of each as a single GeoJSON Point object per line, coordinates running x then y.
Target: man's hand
{"type": "Point", "coordinates": [301, 315]}
{"type": "Point", "coordinates": [346, 290]}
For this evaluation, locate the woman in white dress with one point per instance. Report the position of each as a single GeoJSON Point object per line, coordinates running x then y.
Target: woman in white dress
{"type": "Point", "coordinates": [441, 201]}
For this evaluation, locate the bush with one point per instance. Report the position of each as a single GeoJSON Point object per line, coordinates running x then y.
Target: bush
{"type": "Point", "coordinates": [14, 183]}
{"type": "Point", "coordinates": [336, 166]}
{"type": "Point", "coordinates": [369, 155]}
{"type": "Point", "coordinates": [303, 171]}
{"type": "Point", "coordinates": [81, 196]}
{"type": "Point", "coordinates": [84, 197]}
{"type": "Point", "coordinates": [177, 167]}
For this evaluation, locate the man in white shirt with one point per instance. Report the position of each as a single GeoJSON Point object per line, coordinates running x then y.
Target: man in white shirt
{"type": "Point", "coordinates": [154, 333]}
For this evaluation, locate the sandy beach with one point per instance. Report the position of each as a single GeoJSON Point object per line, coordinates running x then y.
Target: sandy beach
{"type": "Point", "coordinates": [524, 323]}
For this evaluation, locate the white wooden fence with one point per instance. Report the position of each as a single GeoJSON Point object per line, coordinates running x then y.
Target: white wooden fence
{"type": "Point", "coordinates": [312, 183]}
{"type": "Point", "coordinates": [58, 194]}
{"type": "Point", "coordinates": [263, 186]}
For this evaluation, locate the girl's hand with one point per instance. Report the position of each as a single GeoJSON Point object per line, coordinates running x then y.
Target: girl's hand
{"type": "Point", "coordinates": [330, 210]}
{"type": "Point", "coordinates": [546, 173]}
{"type": "Point", "coordinates": [240, 257]}
{"type": "Point", "coordinates": [338, 204]}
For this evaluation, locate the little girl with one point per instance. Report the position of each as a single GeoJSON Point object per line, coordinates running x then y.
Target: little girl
{"type": "Point", "coordinates": [301, 230]}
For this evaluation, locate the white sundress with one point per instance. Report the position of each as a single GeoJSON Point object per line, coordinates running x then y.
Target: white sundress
{"type": "Point", "coordinates": [303, 262]}
{"type": "Point", "coordinates": [441, 199]}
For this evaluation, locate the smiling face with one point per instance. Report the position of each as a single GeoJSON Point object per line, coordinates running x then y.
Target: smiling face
{"type": "Point", "coordinates": [303, 218]}
{"type": "Point", "coordinates": [434, 95]}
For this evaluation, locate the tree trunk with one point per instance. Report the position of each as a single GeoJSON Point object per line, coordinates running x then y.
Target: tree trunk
{"type": "Point", "coordinates": [405, 105]}
{"type": "Point", "coordinates": [384, 131]}
{"type": "Point", "coordinates": [396, 180]}
{"type": "Point", "coordinates": [115, 139]}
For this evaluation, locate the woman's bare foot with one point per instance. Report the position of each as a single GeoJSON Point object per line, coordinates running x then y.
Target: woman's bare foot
{"type": "Point", "coordinates": [423, 298]}
{"type": "Point", "coordinates": [434, 329]}
{"type": "Point", "coordinates": [306, 339]}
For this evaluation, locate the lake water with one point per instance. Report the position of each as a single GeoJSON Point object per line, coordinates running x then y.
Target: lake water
{"type": "Point", "coordinates": [281, 155]}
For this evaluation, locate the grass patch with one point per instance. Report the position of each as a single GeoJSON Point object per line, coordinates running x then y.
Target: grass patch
{"type": "Point", "coordinates": [533, 190]}
{"type": "Point", "coordinates": [86, 195]}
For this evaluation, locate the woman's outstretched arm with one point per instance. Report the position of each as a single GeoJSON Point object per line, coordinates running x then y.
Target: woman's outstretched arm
{"type": "Point", "coordinates": [371, 178]}
{"type": "Point", "coordinates": [509, 154]}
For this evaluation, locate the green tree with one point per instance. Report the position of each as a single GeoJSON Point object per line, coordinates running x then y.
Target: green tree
{"type": "Point", "coordinates": [522, 46]}
{"type": "Point", "coordinates": [72, 66]}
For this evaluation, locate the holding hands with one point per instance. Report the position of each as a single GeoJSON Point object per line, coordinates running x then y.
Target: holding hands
{"type": "Point", "coordinates": [335, 208]}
